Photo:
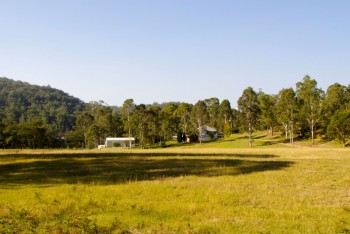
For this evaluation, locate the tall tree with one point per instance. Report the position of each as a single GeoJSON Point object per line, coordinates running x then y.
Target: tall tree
{"type": "Point", "coordinates": [213, 111]}
{"type": "Point", "coordinates": [339, 126]}
{"type": "Point", "coordinates": [153, 124]}
{"type": "Point", "coordinates": [225, 117]}
{"type": "Point", "coordinates": [248, 106]}
{"type": "Point", "coordinates": [311, 103]}
{"type": "Point", "coordinates": [84, 121]}
{"type": "Point", "coordinates": [335, 99]}
{"type": "Point", "coordinates": [267, 105]}
{"type": "Point", "coordinates": [183, 112]}
{"type": "Point", "coordinates": [126, 111]}
{"type": "Point", "coordinates": [140, 119]}
{"type": "Point", "coordinates": [347, 98]}
{"type": "Point", "coordinates": [286, 109]}
{"type": "Point", "coordinates": [169, 121]}
{"type": "Point", "coordinates": [199, 118]}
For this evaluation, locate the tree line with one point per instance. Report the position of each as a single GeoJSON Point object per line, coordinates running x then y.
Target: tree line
{"type": "Point", "coordinates": [304, 112]}
{"type": "Point", "coordinates": [33, 116]}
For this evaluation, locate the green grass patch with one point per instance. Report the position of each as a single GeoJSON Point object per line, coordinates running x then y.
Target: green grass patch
{"type": "Point", "coordinates": [176, 190]}
{"type": "Point", "coordinates": [260, 140]}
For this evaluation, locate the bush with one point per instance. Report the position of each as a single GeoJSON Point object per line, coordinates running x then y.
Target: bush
{"type": "Point", "coordinates": [116, 144]}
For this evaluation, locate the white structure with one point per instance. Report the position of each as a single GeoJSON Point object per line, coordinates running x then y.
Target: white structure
{"type": "Point", "coordinates": [119, 142]}
{"type": "Point", "coordinates": [208, 133]}
{"type": "Point", "coordinates": [101, 147]}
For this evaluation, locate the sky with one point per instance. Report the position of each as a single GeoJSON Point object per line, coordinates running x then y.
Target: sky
{"type": "Point", "coordinates": [174, 50]}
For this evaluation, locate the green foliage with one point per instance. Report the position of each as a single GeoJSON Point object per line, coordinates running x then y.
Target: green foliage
{"type": "Point", "coordinates": [227, 129]}
{"type": "Point", "coordinates": [339, 126]}
{"type": "Point", "coordinates": [286, 110]}
{"type": "Point", "coordinates": [179, 136]}
{"type": "Point", "coordinates": [225, 116]}
{"type": "Point", "coordinates": [199, 117]}
{"type": "Point", "coordinates": [22, 102]}
{"type": "Point", "coordinates": [169, 121]}
{"type": "Point", "coordinates": [93, 126]}
{"type": "Point", "coordinates": [31, 134]}
{"type": "Point", "coordinates": [248, 107]}
{"type": "Point", "coordinates": [140, 122]}
{"type": "Point", "coordinates": [336, 98]}
{"type": "Point", "coordinates": [116, 144]}
{"type": "Point", "coordinates": [267, 105]}
{"type": "Point", "coordinates": [43, 114]}
{"type": "Point", "coordinates": [213, 111]}
{"type": "Point", "coordinates": [41, 117]}
{"type": "Point", "coordinates": [310, 98]}
{"type": "Point", "coordinates": [126, 113]}
{"type": "Point", "coordinates": [153, 125]}
{"type": "Point", "coordinates": [184, 113]}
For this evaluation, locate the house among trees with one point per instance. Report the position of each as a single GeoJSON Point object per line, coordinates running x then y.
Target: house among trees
{"type": "Point", "coordinates": [123, 142]}
{"type": "Point", "coordinates": [208, 133]}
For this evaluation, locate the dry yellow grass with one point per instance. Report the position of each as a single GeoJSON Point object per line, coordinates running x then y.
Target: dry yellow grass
{"type": "Point", "coordinates": [201, 190]}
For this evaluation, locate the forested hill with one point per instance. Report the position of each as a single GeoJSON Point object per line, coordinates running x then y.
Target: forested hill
{"type": "Point", "coordinates": [22, 102]}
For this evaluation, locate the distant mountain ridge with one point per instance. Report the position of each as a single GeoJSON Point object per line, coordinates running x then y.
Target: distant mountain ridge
{"type": "Point", "coordinates": [22, 102]}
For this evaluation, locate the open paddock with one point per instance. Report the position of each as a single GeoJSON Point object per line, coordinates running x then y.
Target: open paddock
{"type": "Point", "coordinates": [177, 190]}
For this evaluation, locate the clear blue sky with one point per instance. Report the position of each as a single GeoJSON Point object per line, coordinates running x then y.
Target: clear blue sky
{"type": "Point", "coordinates": [174, 50]}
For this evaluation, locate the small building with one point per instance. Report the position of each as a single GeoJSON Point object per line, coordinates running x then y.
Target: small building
{"type": "Point", "coordinates": [208, 133]}
{"type": "Point", "coordinates": [123, 142]}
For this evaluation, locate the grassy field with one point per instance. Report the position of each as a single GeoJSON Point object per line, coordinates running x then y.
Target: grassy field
{"type": "Point", "coordinates": [271, 188]}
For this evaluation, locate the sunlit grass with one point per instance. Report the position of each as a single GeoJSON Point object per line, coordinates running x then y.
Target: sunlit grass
{"type": "Point", "coordinates": [262, 140]}
{"type": "Point", "coordinates": [176, 190]}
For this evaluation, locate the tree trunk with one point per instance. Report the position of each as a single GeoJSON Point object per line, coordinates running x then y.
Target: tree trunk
{"type": "Point", "coordinates": [292, 127]}
{"type": "Point", "coordinates": [129, 132]}
{"type": "Point", "coordinates": [312, 133]}
{"type": "Point", "coordinates": [285, 130]}
{"type": "Point", "coordinates": [199, 131]}
{"type": "Point", "coordinates": [250, 136]}
{"type": "Point", "coordinates": [292, 134]}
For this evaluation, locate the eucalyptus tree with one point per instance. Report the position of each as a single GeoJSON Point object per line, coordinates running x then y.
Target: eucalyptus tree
{"type": "Point", "coordinates": [335, 99]}
{"type": "Point", "coordinates": [286, 108]}
{"type": "Point", "coordinates": [339, 126]}
{"type": "Point", "coordinates": [213, 111]}
{"type": "Point", "coordinates": [105, 121]}
{"type": "Point", "coordinates": [248, 107]}
{"type": "Point", "coordinates": [140, 121]}
{"type": "Point", "coordinates": [83, 123]}
{"type": "Point", "coordinates": [169, 121]}
{"type": "Point", "coordinates": [199, 118]}
{"type": "Point", "coordinates": [336, 111]}
{"type": "Point", "coordinates": [153, 124]}
{"type": "Point", "coordinates": [311, 98]}
{"type": "Point", "coordinates": [267, 105]}
{"type": "Point", "coordinates": [225, 117]}
{"type": "Point", "coordinates": [126, 112]}
{"type": "Point", "coordinates": [347, 98]}
{"type": "Point", "coordinates": [183, 112]}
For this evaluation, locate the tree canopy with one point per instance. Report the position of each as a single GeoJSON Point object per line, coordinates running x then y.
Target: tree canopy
{"type": "Point", "coordinates": [34, 116]}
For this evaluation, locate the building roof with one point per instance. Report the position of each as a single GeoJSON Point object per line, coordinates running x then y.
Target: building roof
{"type": "Point", "coordinates": [120, 138]}
{"type": "Point", "coordinates": [208, 128]}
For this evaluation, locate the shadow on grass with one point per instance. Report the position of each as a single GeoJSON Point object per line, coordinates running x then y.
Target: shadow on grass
{"type": "Point", "coordinates": [115, 170]}
{"type": "Point", "coordinates": [129, 153]}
